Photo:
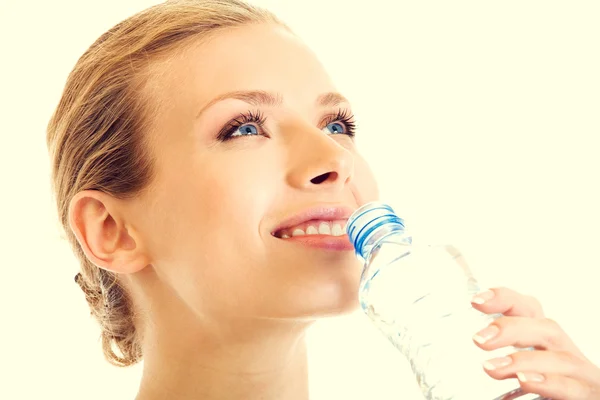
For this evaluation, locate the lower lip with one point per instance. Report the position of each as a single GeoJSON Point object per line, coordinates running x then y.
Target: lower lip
{"type": "Point", "coordinates": [327, 242]}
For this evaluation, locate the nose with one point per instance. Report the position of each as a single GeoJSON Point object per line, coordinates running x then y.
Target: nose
{"type": "Point", "coordinates": [317, 161]}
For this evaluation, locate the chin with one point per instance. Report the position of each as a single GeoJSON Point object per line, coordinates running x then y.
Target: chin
{"type": "Point", "coordinates": [338, 297]}
{"type": "Point", "coordinates": [344, 309]}
{"type": "Point", "coordinates": [315, 289]}
{"type": "Point", "coordinates": [341, 303]}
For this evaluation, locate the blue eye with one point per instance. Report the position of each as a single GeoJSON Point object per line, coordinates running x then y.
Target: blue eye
{"type": "Point", "coordinates": [246, 130]}
{"type": "Point", "coordinates": [340, 123]}
{"type": "Point", "coordinates": [336, 128]}
{"type": "Point", "coordinates": [248, 124]}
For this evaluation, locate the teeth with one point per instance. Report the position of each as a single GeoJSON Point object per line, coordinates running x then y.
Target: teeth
{"type": "Point", "coordinates": [328, 228]}
{"type": "Point", "coordinates": [324, 228]}
{"type": "Point", "coordinates": [311, 230]}
{"type": "Point", "coordinates": [336, 230]}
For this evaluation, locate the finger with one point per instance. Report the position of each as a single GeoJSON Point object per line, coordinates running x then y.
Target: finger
{"type": "Point", "coordinates": [556, 387]}
{"type": "Point", "coordinates": [543, 362]}
{"type": "Point", "coordinates": [541, 333]}
{"type": "Point", "coordinates": [508, 302]}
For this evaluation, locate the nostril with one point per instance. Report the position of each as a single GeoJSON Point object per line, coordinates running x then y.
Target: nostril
{"type": "Point", "coordinates": [322, 178]}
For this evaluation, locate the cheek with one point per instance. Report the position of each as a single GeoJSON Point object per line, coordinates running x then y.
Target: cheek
{"type": "Point", "coordinates": [210, 231]}
{"type": "Point", "coordinates": [365, 187]}
{"type": "Point", "coordinates": [225, 206]}
{"type": "Point", "coordinates": [206, 205]}
{"type": "Point", "coordinates": [235, 195]}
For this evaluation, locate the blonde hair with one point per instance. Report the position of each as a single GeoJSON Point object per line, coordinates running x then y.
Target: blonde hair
{"type": "Point", "coordinates": [96, 136]}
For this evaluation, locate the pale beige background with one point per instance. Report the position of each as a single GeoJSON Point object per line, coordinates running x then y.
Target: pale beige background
{"type": "Point", "coordinates": [480, 118]}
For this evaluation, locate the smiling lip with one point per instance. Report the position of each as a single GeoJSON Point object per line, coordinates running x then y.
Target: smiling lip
{"type": "Point", "coordinates": [326, 242]}
{"type": "Point", "coordinates": [322, 213]}
{"type": "Point", "coordinates": [315, 213]}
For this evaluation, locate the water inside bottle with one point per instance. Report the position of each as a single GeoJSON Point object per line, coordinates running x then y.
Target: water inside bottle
{"type": "Point", "coordinates": [413, 295]}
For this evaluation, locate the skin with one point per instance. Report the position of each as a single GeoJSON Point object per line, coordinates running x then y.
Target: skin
{"type": "Point", "coordinates": [223, 305]}
{"type": "Point", "coordinates": [556, 369]}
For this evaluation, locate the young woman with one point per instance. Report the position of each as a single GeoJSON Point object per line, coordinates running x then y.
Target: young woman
{"type": "Point", "coordinates": [204, 168]}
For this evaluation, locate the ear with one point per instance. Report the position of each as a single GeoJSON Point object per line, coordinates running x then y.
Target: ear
{"type": "Point", "coordinates": [107, 240]}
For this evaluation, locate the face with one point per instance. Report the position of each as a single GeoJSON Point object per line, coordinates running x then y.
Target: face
{"type": "Point", "coordinates": [253, 143]}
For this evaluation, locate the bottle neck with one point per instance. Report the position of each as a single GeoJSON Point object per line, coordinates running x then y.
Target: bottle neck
{"type": "Point", "coordinates": [379, 234]}
{"type": "Point", "coordinates": [370, 224]}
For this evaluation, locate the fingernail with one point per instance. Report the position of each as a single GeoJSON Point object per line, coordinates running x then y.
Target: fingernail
{"type": "Point", "coordinates": [496, 363]}
{"type": "Point", "coordinates": [530, 377]}
{"type": "Point", "coordinates": [486, 334]}
{"type": "Point", "coordinates": [482, 297]}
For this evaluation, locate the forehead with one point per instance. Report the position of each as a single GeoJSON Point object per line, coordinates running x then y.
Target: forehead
{"type": "Point", "coordinates": [256, 57]}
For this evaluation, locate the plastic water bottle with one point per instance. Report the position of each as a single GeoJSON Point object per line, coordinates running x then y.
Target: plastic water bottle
{"type": "Point", "coordinates": [419, 296]}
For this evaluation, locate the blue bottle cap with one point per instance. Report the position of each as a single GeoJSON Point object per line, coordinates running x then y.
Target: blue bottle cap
{"type": "Point", "coordinates": [365, 221]}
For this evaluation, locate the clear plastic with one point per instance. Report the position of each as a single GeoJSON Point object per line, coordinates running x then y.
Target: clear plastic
{"type": "Point", "coordinates": [419, 296]}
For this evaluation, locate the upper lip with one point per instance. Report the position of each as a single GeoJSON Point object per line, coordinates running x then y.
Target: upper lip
{"type": "Point", "coordinates": [325, 213]}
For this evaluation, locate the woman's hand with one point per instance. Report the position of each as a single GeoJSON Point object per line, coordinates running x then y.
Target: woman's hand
{"type": "Point", "coordinates": [555, 369]}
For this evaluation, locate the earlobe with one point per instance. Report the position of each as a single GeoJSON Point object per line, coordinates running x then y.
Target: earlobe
{"type": "Point", "coordinates": [101, 230]}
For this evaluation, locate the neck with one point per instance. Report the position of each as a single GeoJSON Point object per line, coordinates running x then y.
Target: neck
{"type": "Point", "coordinates": [248, 360]}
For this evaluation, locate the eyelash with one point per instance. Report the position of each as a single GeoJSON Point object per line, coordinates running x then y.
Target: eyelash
{"type": "Point", "coordinates": [346, 118]}
{"type": "Point", "coordinates": [343, 116]}
{"type": "Point", "coordinates": [229, 129]}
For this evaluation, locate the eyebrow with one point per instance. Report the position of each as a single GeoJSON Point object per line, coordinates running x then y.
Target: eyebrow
{"type": "Point", "coordinates": [263, 98]}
